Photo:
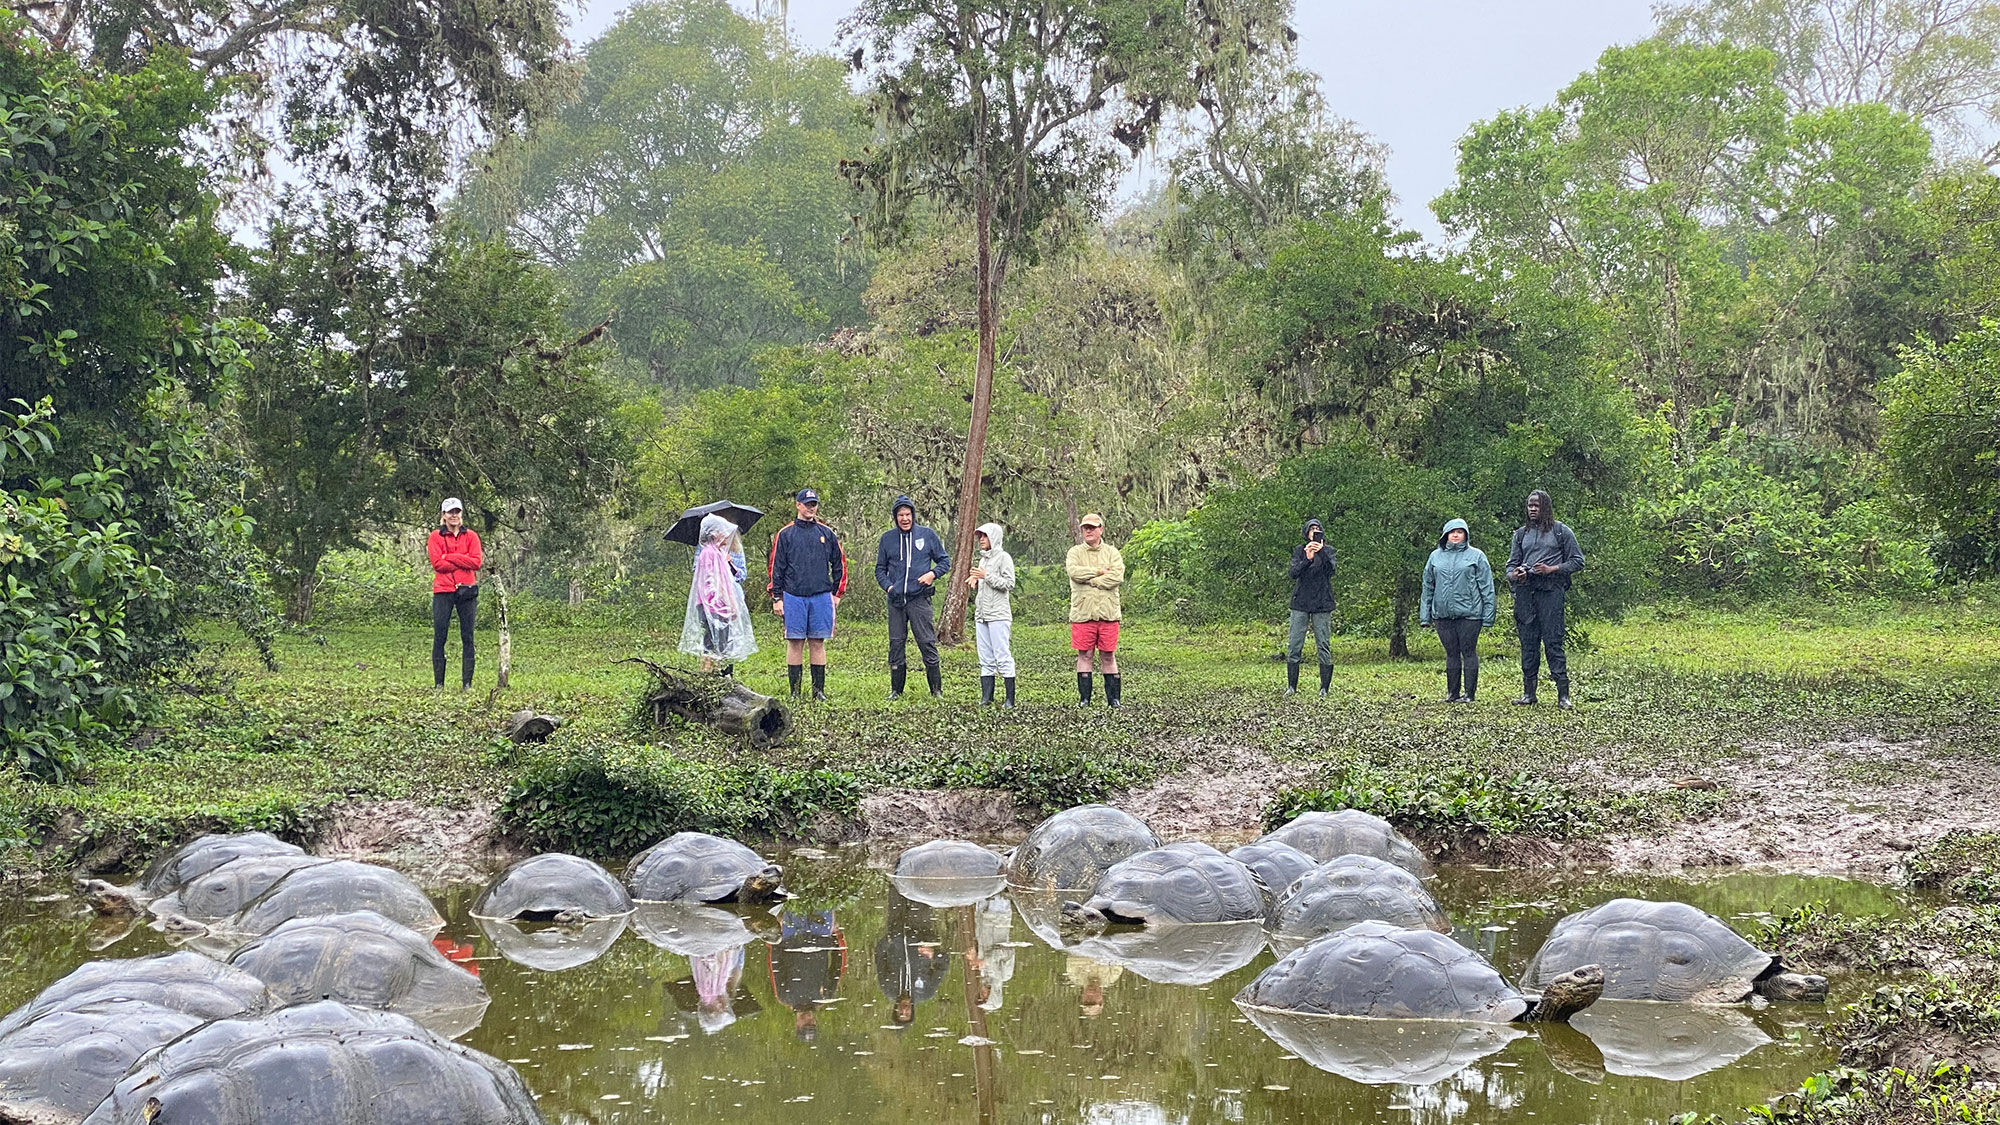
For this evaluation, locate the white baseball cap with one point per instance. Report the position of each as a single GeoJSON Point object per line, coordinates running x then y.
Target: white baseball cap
{"type": "Point", "coordinates": [451, 504]}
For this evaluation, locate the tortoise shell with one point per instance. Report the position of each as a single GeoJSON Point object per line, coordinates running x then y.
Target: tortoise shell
{"type": "Point", "coordinates": [1653, 951]}
{"type": "Point", "coordinates": [541, 887]}
{"type": "Point", "coordinates": [1383, 971]}
{"type": "Point", "coordinates": [198, 857]}
{"type": "Point", "coordinates": [1275, 862]}
{"type": "Point", "coordinates": [337, 887]}
{"type": "Point", "coordinates": [366, 961]}
{"type": "Point", "coordinates": [1182, 883]}
{"type": "Point", "coordinates": [695, 867]}
{"type": "Point", "coordinates": [180, 982]}
{"type": "Point", "coordinates": [61, 1063]}
{"type": "Point", "coordinates": [229, 887]}
{"type": "Point", "coordinates": [1353, 888]}
{"type": "Point", "coordinates": [1330, 835]}
{"type": "Point", "coordinates": [1074, 848]}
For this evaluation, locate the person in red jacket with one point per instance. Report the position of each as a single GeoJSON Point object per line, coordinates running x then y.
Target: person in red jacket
{"type": "Point", "coordinates": [455, 561]}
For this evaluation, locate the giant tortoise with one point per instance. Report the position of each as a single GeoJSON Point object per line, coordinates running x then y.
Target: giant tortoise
{"type": "Point", "coordinates": [949, 873]}
{"type": "Point", "coordinates": [362, 1067]}
{"type": "Point", "coordinates": [335, 887]}
{"type": "Point", "coordinates": [1350, 889]}
{"type": "Point", "coordinates": [698, 867]}
{"type": "Point", "coordinates": [1666, 951]}
{"type": "Point", "coordinates": [1277, 863]}
{"type": "Point", "coordinates": [228, 888]}
{"type": "Point", "coordinates": [1186, 883]}
{"type": "Point", "coordinates": [366, 961]}
{"type": "Point", "coordinates": [1383, 971]}
{"type": "Point", "coordinates": [174, 870]}
{"type": "Point", "coordinates": [1072, 850]}
{"type": "Point", "coordinates": [180, 982]}
{"type": "Point", "coordinates": [59, 1064]}
{"type": "Point", "coordinates": [1330, 835]}
{"type": "Point", "coordinates": [553, 887]}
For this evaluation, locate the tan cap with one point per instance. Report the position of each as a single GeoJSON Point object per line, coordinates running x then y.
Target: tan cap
{"type": "Point", "coordinates": [1090, 519]}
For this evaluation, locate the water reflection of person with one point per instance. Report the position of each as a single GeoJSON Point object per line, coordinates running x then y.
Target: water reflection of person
{"type": "Point", "coordinates": [992, 928]}
{"type": "Point", "coordinates": [806, 966]}
{"type": "Point", "coordinates": [909, 962]}
{"type": "Point", "coordinates": [1093, 978]}
{"type": "Point", "coordinates": [714, 990]}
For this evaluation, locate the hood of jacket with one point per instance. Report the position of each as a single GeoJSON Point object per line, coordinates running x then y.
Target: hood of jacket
{"type": "Point", "coordinates": [994, 534]}
{"type": "Point", "coordinates": [1445, 535]}
{"type": "Point", "coordinates": [1306, 533]}
{"type": "Point", "coordinates": [901, 503]}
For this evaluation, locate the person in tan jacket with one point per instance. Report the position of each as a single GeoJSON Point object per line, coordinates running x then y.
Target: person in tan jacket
{"type": "Point", "coordinates": [1096, 571]}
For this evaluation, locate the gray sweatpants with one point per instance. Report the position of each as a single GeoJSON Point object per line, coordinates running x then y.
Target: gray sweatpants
{"type": "Point", "coordinates": [996, 647]}
{"type": "Point", "coordinates": [1322, 631]}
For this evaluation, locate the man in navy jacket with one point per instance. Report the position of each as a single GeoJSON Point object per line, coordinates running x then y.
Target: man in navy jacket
{"type": "Point", "coordinates": [908, 562]}
{"type": "Point", "coordinates": [808, 577]}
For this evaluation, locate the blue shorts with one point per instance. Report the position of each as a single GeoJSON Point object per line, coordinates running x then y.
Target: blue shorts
{"type": "Point", "coordinates": [808, 619]}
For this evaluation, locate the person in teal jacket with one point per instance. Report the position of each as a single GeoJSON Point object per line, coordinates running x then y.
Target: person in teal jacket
{"type": "Point", "coordinates": [1458, 601]}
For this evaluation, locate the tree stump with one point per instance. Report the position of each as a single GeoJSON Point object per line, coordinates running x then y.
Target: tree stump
{"type": "Point", "coordinates": [716, 701]}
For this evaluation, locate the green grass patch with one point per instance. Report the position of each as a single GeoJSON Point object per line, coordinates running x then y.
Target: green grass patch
{"type": "Point", "coordinates": [1965, 865]}
{"type": "Point", "coordinates": [1434, 798]}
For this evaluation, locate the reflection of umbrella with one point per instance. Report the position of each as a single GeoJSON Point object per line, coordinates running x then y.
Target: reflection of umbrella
{"type": "Point", "coordinates": [552, 948]}
{"type": "Point", "coordinates": [1196, 954]}
{"type": "Point", "coordinates": [687, 529]}
{"type": "Point", "coordinates": [1383, 1052]}
{"type": "Point", "coordinates": [1670, 1041]}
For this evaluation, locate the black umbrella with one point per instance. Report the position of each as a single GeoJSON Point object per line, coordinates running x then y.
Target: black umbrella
{"type": "Point", "coordinates": [687, 529]}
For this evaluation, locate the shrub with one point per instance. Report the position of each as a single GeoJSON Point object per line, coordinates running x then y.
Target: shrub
{"type": "Point", "coordinates": [1964, 864]}
{"type": "Point", "coordinates": [1446, 799]}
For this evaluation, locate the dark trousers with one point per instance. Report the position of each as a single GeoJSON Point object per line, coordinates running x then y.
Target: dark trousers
{"type": "Point", "coordinates": [465, 602]}
{"type": "Point", "coordinates": [1538, 617]}
{"type": "Point", "coordinates": [1461, 653]}
{"type": "Point", "coordinates": [913, 616]}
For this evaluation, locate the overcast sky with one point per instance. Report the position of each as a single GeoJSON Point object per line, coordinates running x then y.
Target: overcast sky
{"type": "Point", "coordinates": [1416, 74]}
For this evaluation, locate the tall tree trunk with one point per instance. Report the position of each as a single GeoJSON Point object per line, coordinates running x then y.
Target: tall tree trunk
{"type": "Point", "coordinates": [982, 406]}
{"type": "Point", "coordinates": [505, 647]}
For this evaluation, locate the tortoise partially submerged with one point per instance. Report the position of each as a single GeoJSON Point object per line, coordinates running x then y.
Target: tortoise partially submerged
{"type": "Point", "coordinates": [60, 1064]}
{"type": "Point", "coordinates": [1072, 850]}
{"type": "Point", "coordinates": [1667, 951]}
{"type": "Point", "coordinates": [1277, 863]}
{"type": "Point", "coordinates": [1181, 884]}
{"type": "Point", "coordinates": [1383, 971]}
{"type": "Point", "coordinates": [1347, 890]}
{"type": "Point", "coordinates": [553, 887]}
{"type": "Point", "coordinates": [949, 873]}
{"type": "Point", "coordinates": [366, 961]}
{"type": "Point", "coordinates": [174, 870]}
{"type": "Point", "coordinates": [1330, 835]}
{"type": "Point", "coordinates": [361, 1067]}
{"type": "Point", "coordinates": [698, 867]}
{"type": "Point", "coordinates": [231, 886]}
{"type": "Point", "coordinates": [335, 887]}
{"type": "Point", "coordinates": [181, 982]}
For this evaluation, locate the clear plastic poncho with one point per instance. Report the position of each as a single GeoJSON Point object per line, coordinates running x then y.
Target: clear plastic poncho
{"type": "Point", "coordinates": [718, 621]}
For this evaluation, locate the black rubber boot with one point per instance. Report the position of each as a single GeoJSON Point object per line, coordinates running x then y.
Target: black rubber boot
{"type": "Point", "coordinates": [1451, 682]}
{"type": "Point", "coordinates": [1291, 677]}
{"type": "Point", "coordinates": [986, 691]}
{"type": "Point", "coordinates": [1472, 683]}
{"type": "Point", "coordinates": [1114, 687]}
{"type": "Point", "coordinates": [1562, 695]}
{"type": "Point", "coordinates": [795, 673]}
{"type": "Point", "coordinates": [1009, 703]}
{"type": "Point", "coordinates": [1325, 679]}
{"type": "Point", "coordinates": [1083, 687]}
{"type": "Point", "coordinates": [819, 683]}
{"type": "Point", "coordinates": [899, 674]}
{"type": "Point", "coordinates": [935, 675]}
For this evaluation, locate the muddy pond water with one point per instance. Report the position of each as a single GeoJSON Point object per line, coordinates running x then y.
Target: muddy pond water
{"type": "Point", "coordinates": [853, 1003]}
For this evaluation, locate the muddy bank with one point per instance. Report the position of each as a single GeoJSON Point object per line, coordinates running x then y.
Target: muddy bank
{"type": "Point", "coordinates": [431, 844]}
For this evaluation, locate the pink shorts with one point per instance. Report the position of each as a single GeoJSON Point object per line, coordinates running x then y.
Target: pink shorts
{"type": "Point", "coordinates": [1087, 635]}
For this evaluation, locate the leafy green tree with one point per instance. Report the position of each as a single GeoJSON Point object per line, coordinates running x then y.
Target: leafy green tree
{"type": "Point", "coordinates": [1935, 60]}
{"type": "Point", "coordinates": [994, 110]}
{"type": "Point", "coordinates": [1943, 443]}
{"type": "Point", "coordinates": [688, 192]}
{"type": "Point", "coordinates": [389, 95]}
{"type": "Point", "coordinates": [386, 387]}
{"type": "Point", "coordinates": [122, 526]}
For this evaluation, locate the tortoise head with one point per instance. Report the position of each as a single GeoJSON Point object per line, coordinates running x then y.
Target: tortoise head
{"type": "Point", "coordinates": [763, 886]}
{"type": "Point", "coordinates": [106, 898]}
{"type": "Point", "coordinates": [1080, 919]}
{"type": "Point", "coordinates": [1567, 995]}
{"type": "Point", "coordinates": [1793, 986]}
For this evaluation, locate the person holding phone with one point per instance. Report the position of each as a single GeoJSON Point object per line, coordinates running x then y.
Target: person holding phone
{"type": "Point", "coordinates": [1313, 565]}
{"type": "Point", "coordinates": [1539, 565]}
{"type": "Point", "coordinates": [1458, 601]}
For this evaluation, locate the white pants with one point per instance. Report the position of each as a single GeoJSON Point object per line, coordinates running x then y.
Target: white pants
{"type": "Point", "coordinates": [996, 647]}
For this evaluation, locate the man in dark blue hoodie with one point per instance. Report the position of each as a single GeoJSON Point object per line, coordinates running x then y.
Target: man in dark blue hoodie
{"type": "Point", "coordinates": [909, 560]}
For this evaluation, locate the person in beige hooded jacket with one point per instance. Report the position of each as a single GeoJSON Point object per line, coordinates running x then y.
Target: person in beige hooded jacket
{"type": "Point", "coordinates": [1096, 571]}
{"type": "Point", "coordinates": [992, 583]}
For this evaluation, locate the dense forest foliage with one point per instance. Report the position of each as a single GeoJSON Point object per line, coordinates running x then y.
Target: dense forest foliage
{"type": "Point", "coordinates": [273, 283]}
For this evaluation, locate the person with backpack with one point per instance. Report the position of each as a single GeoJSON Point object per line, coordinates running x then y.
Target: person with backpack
{"type": "Point", "coordinates": [1540, 563]}
{"type": "Point", "coordinates": [456, 557]}
{"type": "Point", "coordinates": [1458, 601]}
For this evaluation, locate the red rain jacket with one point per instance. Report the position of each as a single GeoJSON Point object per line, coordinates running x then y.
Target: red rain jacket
{"type": "Point", "coordinates": [456, 559]}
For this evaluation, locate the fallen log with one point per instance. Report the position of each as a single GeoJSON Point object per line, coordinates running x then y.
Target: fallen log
{"type": "Point", "coordinates": [716, 701]}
